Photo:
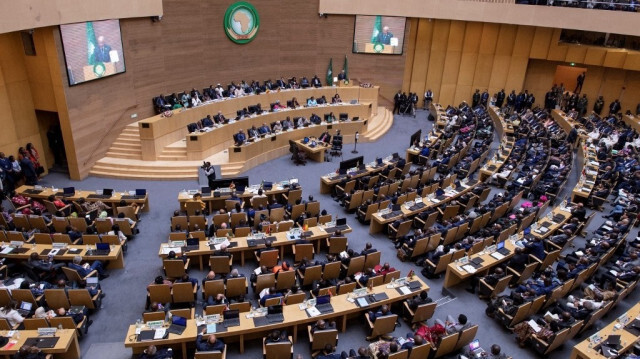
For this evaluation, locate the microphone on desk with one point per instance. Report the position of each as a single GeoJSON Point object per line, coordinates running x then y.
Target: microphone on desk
{"type": "Point", "coordinates": [355, 145]}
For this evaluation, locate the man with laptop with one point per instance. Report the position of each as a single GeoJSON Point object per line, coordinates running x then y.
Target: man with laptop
{"type": "Point", "coordinates": [86, 268]}
{"type": "Point", "coordinates": [473, 350]}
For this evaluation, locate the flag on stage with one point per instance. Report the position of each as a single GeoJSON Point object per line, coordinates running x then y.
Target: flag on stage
{"type": "Point", "coordinates": [330, 72]}
{"type": "Point", "coordinates": [377, 29]}
{"type": "Point", "coordinates": [91, 43]}
{"type": "Point", "coordinates": [345, 68]}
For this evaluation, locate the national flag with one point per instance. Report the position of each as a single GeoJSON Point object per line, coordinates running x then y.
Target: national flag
{"type": "Point", "coordinates": [330, 72]}
{"type": "Point", "coordinates": [345, 68]}
{"type": "Point", "coordinates": [92, 44]}
{"type": "Point", "coordinates": [377, 29]}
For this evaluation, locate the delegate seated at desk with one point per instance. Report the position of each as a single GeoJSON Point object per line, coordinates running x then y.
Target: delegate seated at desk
{"type": "Point", "coordinates": [220, 119]}
{"type": "Point", "coordinates": [336, 99]}
{"type": "Point", "coordinates": [253, 132]}
{"type": "Point", "coordinates": [315, 119]}
{"type": "Point", "coordinates": [209, 344]}
{"type": "Point", "coordinates": [287, 124]}
{"type": "Point", "coordinates": [312, 102]}
{"type": "Point", "coordinates": [264, 129]}
{"type": "Point", "coordinates": [240, 138]}
{"type": "Point", "coordinates": [304, 82]}
{"type": "Point", "coordinates": [315, 81]}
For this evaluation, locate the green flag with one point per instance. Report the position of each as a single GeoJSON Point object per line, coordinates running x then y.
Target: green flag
{"type": "Point", "coordinates": [377, 29]}
{"type": "Point", "coordinates": [91, 43]}
{"type": "Point", "coordinates": [345, 68]}
{"type": "Point", "coordinates": [330, 72]}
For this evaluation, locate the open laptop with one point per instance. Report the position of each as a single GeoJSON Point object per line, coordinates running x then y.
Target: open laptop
{"type": "Point", "coordinates": [500, 248]}
{"type": "Point", "coordinates": [240, 189]}
{"type": "Point", "coordinates": [323, 304]}
{"type": "Point", "coordinates": [475, 349]}
{"type": "Point", "coordinates": [341, 223]}
{"type": "Point", "coordinates": [274, 314]}
{"type": "Point", "coordinates": [231, 318]}
{"type": "Point", "coordinates": [193, 244]}
{"type": "Point", "coordinates": [102, 249]}
{"type": "Point", "coordinates": [178, 325]}
{"type": "Point", "coordinates": [141, 192]}
{"type": "Point", "coordinates": [206, 191]}
{"type": "Point", "coordinates": [25, 309]}
{"type": "Point", "coordinates": [68, 191]}
{"type": "Point", "coordinates": [107, 193]}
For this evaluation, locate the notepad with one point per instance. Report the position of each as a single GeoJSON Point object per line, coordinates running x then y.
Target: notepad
{"type": "Point", "coordinates": [211, 328]}
{"type": "Point", "coordinates": [469, 268]}
{"type": "Point", "coordinates": [159, 334]}
{"type": "Point", "coordinates": [362, 302]}
{"type": "Point", "coordinates": [497, 255]}
{"type": "Point", "coordinates": [405, 290]}
{"type": "Point", "coordinates": [313, 312]}
{"type": "Point", "coordinates": [532, 323]}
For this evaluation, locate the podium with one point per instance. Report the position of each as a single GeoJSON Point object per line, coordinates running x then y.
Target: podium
{"type": "Point", "coordinates": [369, 48]}
{"type": "Point", "coordinates": [91, 72]}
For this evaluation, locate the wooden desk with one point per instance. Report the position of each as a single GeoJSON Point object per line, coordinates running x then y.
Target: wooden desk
{"type": "Point", "coordinates": [66, 348]}
{"type": "Point", "coordinates": [327, 182]}
{"type": "Point", "coordinates": [204, 144]}
{"type": "Point", "coordinates": [281, 242]}
{"type": "Point", "coordinates": [293, 318]}
{"type": "Point", "coordinates": [549, 223]}
{"type": "Point", "coordinates": [314, 153]}
{"type": "Point", "coordinates": [587, 180]}
{"type": "Point", "coordinates": [378, 222]}
{"type": "Point", "coordinates": [115, 257]}
{"type": "Point", "coordinates": [262, 147]}
{"type": "Point", "coordinates": [158, 131]}
{"type": "Point", "coordinates": [455, 275]}
{"type": "Point", "coordinates": [585, 350]}
{"type": "Point", "coordinates": [505, 131]}
{"type": "Point", "coordinates": [114, 201]}
{"type": "Point", "coordinates": [218, 202]}
{"type": "Point", "coordinates": [428, 141]}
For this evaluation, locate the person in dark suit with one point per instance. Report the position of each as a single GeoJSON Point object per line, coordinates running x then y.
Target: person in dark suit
{"type": "Point", "coordinates": [383, 311]}
{"type": "Point", "coordinates": [536, 248]}
{"type": "Point", "coordinates": [210, 344]}
{"type": "Point", "coordinates": [315, 81]}
{"type": "Point", "coordinates": [368, 248]}
{"type": "Point", "coordinates": [385, 36]}
{"type": "Point", "coordinates": [342, 76]}
{"type": "Point", "coordinates": [85, 269]}
{"type": "Point", "coordinates": [101, 53]}
{"type": "Point", "coordinates": [579, 82]}
{"type": "Point", "coordinates": [519, 260]}
{"type": "Point", "coordinates": [154, 353]}
{"type": "Point", "coordinates": [615, 107]}
{"type": "Point", "coordinates": [325, 137]}
{"type": "Point", "coordinates": [240, 138]}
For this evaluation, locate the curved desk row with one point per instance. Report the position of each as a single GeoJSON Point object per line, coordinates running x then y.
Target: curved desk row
{"type": "Point", "coordinates": [89, 196]}
{"type": "Point", "coordinates": [269, 147]}
{"type": "Point", "coordinates": [201, 145]}
{"type": "Point", "coordinates": [343, 305]}
{"type": "Point", "coordinates": [158, 131]}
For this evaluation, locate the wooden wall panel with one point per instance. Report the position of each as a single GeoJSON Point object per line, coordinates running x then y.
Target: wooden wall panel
{"type": "Point", "coordinates": [557, 52]}
{"type": "Point", "coordinates": [595, 56]}
{"type": "Point", "coordinates": [576, 54]}
{"type": "Point", "coordinates": [541, 42]}
{"type": "Point", "coordinates": [615, 58]}
{"type": "Point", "coordinates": [484, 65]}
{"type": "Point", "coordinates": [411, 53]}
{"type": "Point", "coordinates": [437, 56]}
{"type": "Point", "coordinates": [188, 48]}
{"type": "Point", "coordinates": [632, 61]}
{"type": "Point", "coordinates": [468, 60]}
{"type": "Point", "coordinates": [422, 55]}
{"type": "Point", "coordinates": [452, 61]}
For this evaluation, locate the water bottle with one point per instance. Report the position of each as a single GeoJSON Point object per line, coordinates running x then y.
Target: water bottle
{"type": "Point", "coordinates": [138, 324]}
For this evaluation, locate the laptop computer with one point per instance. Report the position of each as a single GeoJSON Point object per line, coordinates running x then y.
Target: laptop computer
{"type": "Point", "coordinates": [42, 342]}
{"type": "Point", "coordinates": [193, 244]}
{"type": "Point", "coordinates": [267, 185]}
{"type": "Point", "coordinates": [379, 161]}
{"type": "Point", "coordinates": [107, 193]}
{"type": "Point", "coordinates": [500, 248]}
{"type": "Point", "coordinates": [141, 192]}
{"type": "Point", "coordinates": [206, 191]}
{"type": "Point", "coordinates": [68, 191]}
{"type": "Point", "coordinates": [102, 249]}
{"type": "Point", "coordinates": [323, 304]}
{"type": "Point", "coordinates": [25, 308]}
{"type": "Point", "coordinates": [475, 349]}
{"type": "Point", "coordinates": [240, 189]}
{"type": "Point", "coordinates": [178, 325]}
{"type": "Point", "coordinates": [341, 223]}
{"type": "Point", "coordinates": [231, 318]}
{"type": "Point", "coordinates": [613, 341]}
{"type": "Point", "coordinates": [274, 314]}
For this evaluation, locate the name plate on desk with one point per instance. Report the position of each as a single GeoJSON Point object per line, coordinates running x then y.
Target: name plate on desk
{"type": "Point", "coordinates": [47, 332]}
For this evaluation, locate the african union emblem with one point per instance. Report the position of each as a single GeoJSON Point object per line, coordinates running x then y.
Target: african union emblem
{"type": "Point", "coordinates": [241, 22]}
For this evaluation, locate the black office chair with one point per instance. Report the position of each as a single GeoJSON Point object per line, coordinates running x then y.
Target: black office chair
{"type": "Point", "coordinates": [336, 146]}
{"type": "Point", "coordinates": [298, 157]}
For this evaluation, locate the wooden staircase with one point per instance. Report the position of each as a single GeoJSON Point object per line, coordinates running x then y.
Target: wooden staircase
{"type": "Point", "coordinates": [127, 145]}
{"type": "Point", "coordinates": [124, 158]}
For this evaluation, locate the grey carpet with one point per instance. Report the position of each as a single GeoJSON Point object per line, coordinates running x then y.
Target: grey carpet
{"type": "Point", "coordinates": [126, 288]}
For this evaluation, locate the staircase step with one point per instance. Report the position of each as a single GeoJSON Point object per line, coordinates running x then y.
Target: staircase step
{"type": "Point", "coordinates": [131, 140]}
{"type": "Point", "coordinates": [126, 145]}
{"type": "Point", "coordinates": [146, 176]}
{"type": "Point", "coordinates": [135, 156]}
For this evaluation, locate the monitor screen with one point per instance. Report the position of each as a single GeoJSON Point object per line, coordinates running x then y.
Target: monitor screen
{"type": "Point", "coordinates": [379, 34]}
{"type": "Point", "coordinates": [225, 182]}
{"type": "Point", "coordinates": [92, 50]}
{"type": "Point", "coordinates": [351, 163]}
{"type": "Point", "coordinates": [500, 245]}
{"type": "Point", "coordinates": [474, 345]}
{"type": "Point", "coordinates": [415, 137]}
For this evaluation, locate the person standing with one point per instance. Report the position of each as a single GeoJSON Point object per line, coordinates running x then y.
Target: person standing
{"type": "Point", "coordinates": [475, 100]}
{"type": "Point", "coordinates": [598, 105]}
{"type": "Point", "coordinates": [615, 107]}
{"type": "Point", "coordinates": [500, 98]}
{"type": "Point", "coordinates": [579, 82]}
{"type": "Point", "coordinates": [101, 53]}
{"type": "Point", "coordinates": [385, 36]}
{"type": "Point", "coordinates": [428, 98]}
{"type": "Point", "coordinates": [396, 102]}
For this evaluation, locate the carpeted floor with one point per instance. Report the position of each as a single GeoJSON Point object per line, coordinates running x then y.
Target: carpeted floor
{"type": "Point", "coordinates": [126, 292]}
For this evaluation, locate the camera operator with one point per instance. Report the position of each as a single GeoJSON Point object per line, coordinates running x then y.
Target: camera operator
{"type": "Point", "coordinates": [210, 172]}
